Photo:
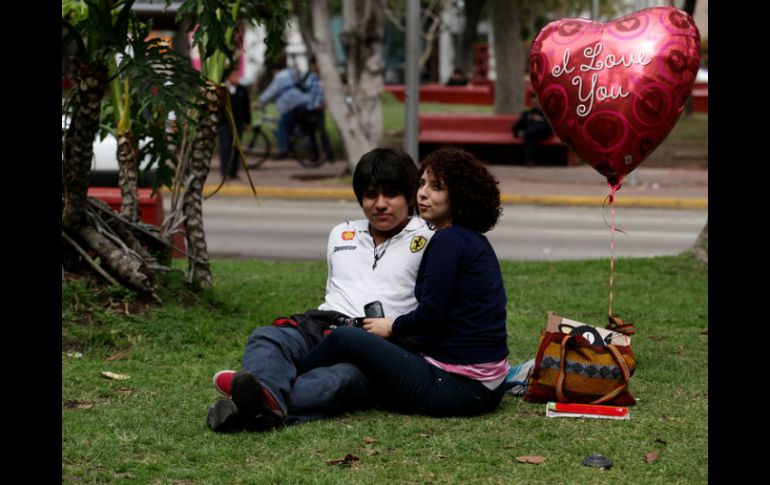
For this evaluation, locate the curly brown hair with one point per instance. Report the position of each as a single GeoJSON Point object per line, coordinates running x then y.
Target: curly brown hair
{"type": "Point", "coordinates": [474, 196]}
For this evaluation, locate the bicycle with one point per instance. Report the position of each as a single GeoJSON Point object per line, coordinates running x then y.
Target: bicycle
{"type": "Point", "coordinates": [260, 145]}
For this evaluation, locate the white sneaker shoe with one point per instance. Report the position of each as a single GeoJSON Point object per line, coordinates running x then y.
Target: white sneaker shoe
{"type": "Point", "coordinates": [517, 380]}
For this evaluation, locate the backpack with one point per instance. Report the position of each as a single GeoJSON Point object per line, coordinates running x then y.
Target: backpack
{"type": "Point", "coordinates": [301, 82]}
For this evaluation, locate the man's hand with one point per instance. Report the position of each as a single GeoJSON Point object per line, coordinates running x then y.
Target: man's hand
{"type": "Point", "coordinates": [382, 327]}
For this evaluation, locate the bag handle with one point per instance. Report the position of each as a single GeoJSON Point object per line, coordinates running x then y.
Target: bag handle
{"type": "Point", "coordinates": [617, 324]}
{"type": "Point", "coordinates": [561, 397]}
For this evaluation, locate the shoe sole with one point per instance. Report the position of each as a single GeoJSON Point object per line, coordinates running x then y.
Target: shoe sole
{"type": "Point", "coordinates": [248, 396]}
{"type": "Point", "coordinates": [223, 416]}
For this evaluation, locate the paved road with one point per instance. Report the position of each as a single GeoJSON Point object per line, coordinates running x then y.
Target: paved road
{"type": "Point", "coordinates": [297, 230]}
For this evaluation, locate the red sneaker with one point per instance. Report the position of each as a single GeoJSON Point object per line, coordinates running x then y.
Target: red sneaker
{"type": "Point", "coordinates": [223, 382]}
{"type": "Point", "coordinates": [254, 400]}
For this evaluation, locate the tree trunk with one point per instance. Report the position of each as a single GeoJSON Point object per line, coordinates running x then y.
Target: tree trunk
{"type": "Point", "coordinates": [689, 107]}
{"type": "Point", "coordinates": [192, 203]}
{"type": "Point", "coordinates": [472, 10]}
{"type": "Point", "coordinates": [305, 24]}
{"type": "Point", "coordinates": [130, 269]}
{"type": "Point", "coordinates": [430, 37]}
{"type": "Point", "coordinates": [356, 108]}
{"type": "Point", "coordinates": [90, 85]}
{"type": "Point", "coordinates": [701, 246]}
{"type": "Point", "coordinates": [509, 56]}
{"type": "Point", "coordinates": [128, 176]}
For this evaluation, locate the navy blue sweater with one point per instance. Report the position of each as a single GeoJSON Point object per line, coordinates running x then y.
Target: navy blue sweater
{"type": "Point", "coordinates": [460, 315]}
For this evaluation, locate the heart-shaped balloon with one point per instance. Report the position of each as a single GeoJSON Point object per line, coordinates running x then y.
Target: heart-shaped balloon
{"type": "Point", "coordinates": [613, 92]}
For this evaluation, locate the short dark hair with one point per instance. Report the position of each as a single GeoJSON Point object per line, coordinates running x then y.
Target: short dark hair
{"type": "Point", "coordinates": [389, 170]}
{"type": "Point", "coordinates": [474, 196]}
{"type": "Point", "coordinates": [277, 63]}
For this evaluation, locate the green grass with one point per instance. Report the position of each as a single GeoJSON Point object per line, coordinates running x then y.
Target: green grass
{"type": "Point", "coordinates": [151, 428]}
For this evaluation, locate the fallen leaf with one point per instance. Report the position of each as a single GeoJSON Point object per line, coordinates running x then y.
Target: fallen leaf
{"type": "Point", "coordinates": [121, 355]}
{"type": "Point", "coordinates": [370, 452]}
{"type": "Point", "coordinates": [349, 460]}
{"type": "Point", "coordinates": [661, 441]}
{"type": "Point", "coordinates": [125, 390]}
{"type": "Point", "coordinates": [118, 377]}
{"type": "Point", "coordinates": [534, 459]}
{"type": "Point", "coordinates": [77, 405]}
{"type": "Point", "coordinates": [651, 456]}
{"type": "Point", "coordinates": [368, 440]}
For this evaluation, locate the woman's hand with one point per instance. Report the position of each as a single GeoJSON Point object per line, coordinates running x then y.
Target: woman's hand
{"type": "Point", "coordinates": [382, 327]}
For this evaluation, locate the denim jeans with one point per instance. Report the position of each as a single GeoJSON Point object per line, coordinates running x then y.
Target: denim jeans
{"type": "Point", "coordinates": [272, 355]}
{"type": "Point", "coordinates": [285, 128]}
{"type": "Point", "coordinates": [404, 381]}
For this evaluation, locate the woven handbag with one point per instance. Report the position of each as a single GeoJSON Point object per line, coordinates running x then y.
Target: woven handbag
{"type": "Point", "coordinates": [568, 368]}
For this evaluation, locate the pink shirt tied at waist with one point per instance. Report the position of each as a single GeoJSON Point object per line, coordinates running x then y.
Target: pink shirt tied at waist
{"type": "Point", "coordinates": [491, 374]}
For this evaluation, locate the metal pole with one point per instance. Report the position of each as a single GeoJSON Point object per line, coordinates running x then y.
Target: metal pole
{"type": "Point", "coordinates": [595, 10]}
{"type": "Point", "coordinates": [412, 101]}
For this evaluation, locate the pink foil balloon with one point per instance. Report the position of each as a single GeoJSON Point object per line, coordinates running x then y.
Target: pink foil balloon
{"type": "Point", "coordinates": [613, 92]}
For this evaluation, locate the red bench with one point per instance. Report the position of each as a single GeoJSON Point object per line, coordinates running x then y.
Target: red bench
{"type": "Point", "coordinates": [150, 206]}
{"type": "Point", "coordinates": [438, 93]}
{"type": "Point", "coordinates": [700, 96]}
{"type": "Point", "coordinates": [489, 137]}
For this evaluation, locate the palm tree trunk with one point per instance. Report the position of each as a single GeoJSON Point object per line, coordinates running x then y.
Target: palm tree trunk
{"type": "Point", "coordinates": [192, 205]}
{"type": "Point", "coordinates": [76, 168]}
{"type": "Point", "coordinates": [90, 85]}
{"type": "Point", "coordinates": [128, 176]}
{"type": "Point", "coordinates": [131, 270]}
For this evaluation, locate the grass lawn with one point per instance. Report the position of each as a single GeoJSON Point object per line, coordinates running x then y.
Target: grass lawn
{"type": "Point", "coordinates": [150, 429]}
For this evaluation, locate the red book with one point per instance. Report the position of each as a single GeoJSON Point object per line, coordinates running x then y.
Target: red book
{"type": "Point", "coordinates": [572, 410]}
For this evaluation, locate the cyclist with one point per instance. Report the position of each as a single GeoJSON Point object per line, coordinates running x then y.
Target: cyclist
{"type": "Point", "coordinates": [290, 100]}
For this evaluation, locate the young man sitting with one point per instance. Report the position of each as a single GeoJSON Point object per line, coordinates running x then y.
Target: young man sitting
{"type": "Point", "coordinates": [372, 259]}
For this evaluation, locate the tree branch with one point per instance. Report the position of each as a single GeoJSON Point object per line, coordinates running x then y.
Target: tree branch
{"type": "Point", "coordinates": [88, 259]}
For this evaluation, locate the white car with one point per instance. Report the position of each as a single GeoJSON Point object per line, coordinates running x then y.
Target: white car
{"type": "Point", "coordinates": [104, 168]}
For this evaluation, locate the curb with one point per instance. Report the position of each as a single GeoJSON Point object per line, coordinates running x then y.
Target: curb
{"type": "Point", "coordinates": [332, 193]}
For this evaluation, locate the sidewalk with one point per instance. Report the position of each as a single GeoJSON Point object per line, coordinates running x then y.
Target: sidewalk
{"type": "Point", "coordinates": [578, 185]}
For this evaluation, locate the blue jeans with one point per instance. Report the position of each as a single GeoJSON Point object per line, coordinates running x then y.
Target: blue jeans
{"type": "Point", "coordinates": [272, 355]}
{"type": "Point", "coordinates": [404, 381]}
{"type": "Point", "coordinates": [286, 128]}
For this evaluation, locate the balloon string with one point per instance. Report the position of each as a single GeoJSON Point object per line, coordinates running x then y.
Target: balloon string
{"type": "Point", "coordinates": [613, 189]}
